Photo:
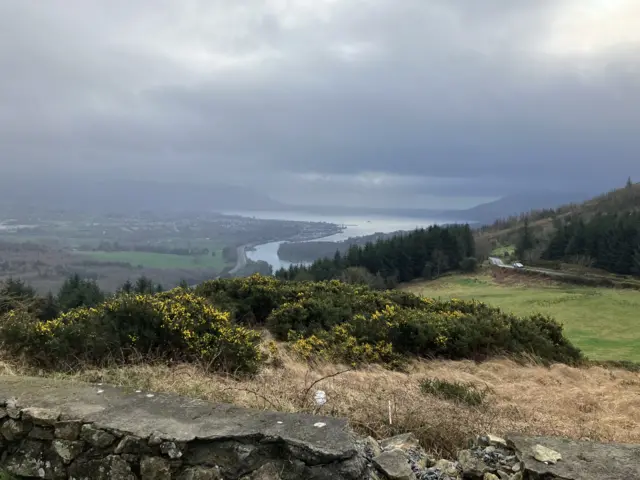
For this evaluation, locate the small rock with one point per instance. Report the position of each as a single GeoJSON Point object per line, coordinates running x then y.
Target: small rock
{"type": "Point", "coordinates": [155, 468]}
{"type": "Point", "coordinates": [13, 410]}
{"type": "Point", "coordinates": [504, 475]}
{"type": "Point", "coordinates": [111, 467]}
{"type": "Point", "coordinates": [472, 466]}
{"type": "Point", "coordinates": [266, 472]}
{"type": "Point", "coordinates": [495, 441]}
{"type": "Point", "coordinates": [171, 450]}
{"type": "Point", "coordinates": [41, 433]}
{"type": "Point", "coordinates": [96, 437]}
{"type": "Point", "coordinates": [394, 464]}
{"type": "Point", "coordinates": [516, 468]}
{"type": "Point", "coordinates": [156, 438]}
{"type": "Point", "coordinates": [450, 470]}
{"type": "Point", "coordinates": [546, 455]}
{"type": "Point", "coordinates": [371, 448]}
{"type": "Point", "coordinates": [518, 476]}
{"type": "Point", "coordinates": [200, 473]}
{"type": "Point", "coordinates": [67, 449]}
{"type": "Point", "coordinates": [490, 476]}
{"type": "Point", "coordinates": [15, 429]}
{"type": "Point", "coordinates": [403, 442]}
{"type": "Point", "coordinates": [68, 430]}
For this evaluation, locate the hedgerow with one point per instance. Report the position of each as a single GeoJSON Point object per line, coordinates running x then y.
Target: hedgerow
{"type": "Point", "coordinates": [216, 324]}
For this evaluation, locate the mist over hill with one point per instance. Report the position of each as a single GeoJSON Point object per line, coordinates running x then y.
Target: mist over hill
{"type": "Point", "coordinates": [120, 196]}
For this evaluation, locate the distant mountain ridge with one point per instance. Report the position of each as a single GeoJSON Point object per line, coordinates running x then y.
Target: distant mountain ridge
{"type": "Point", "coordinates": [120, 196]}
{"type": "Point", "coordinates": [484, 213]}
{"type": "Point", "coordinates": [521, 203]}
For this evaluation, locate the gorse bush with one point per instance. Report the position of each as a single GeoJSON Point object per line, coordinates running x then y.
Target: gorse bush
{"type": "Point", "coordinates": [355, 323]}
{"type": "Point", "coordinates": [218, 324]}
{"type": "Point", "coordinates": [176, 325]}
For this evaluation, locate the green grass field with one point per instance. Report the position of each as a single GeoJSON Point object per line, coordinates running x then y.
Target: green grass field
{"type": "Point", "coordinates": [504, 250]}
{"type": "Point", "coordinates": [160, 260]}
{"type": "Point", "coordinates": [603, 322]}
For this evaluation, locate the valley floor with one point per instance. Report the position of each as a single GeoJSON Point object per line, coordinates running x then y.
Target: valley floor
{"type": "Point", "coordinates": [592, 403]}
{"type": "Point", "coordinates": [600, 321]}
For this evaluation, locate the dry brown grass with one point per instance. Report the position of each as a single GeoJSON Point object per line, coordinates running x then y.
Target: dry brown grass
{"type": "Point", "coordinates": [593, 403]}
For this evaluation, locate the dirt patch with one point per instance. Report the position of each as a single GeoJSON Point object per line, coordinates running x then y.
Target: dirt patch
{"type": "Point", "coordinates": [507, 277]}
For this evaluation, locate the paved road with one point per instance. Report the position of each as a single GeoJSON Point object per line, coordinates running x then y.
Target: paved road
{"type": "Point", "coordinates": [241, 262]}
{"type": "Point", "coordinates": [553, 273]}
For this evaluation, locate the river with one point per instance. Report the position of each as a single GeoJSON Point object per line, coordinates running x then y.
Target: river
{"type": "Point", "coordinates": [355, 227]}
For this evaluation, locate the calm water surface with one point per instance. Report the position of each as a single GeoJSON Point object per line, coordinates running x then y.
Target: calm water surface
{"type": "Point", "coordinates": [355, 227]}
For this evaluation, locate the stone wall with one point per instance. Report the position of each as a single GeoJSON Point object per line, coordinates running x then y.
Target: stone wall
{"type": "Point", "coordinates": [56, 430]}
{"type": "Point", "coordinates": [61, 430]}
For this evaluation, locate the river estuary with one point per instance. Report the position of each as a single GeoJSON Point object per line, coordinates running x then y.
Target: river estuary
{"type": "Point", "coordinates": [355, 227]}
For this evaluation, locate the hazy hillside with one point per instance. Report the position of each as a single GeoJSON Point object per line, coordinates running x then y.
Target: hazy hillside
{"type": "Point", "coordinates": [511, 205]}
{"type": "Point", "coordinates": [119, 196]}
{"type": "Point", "coordinates": [621, 200]}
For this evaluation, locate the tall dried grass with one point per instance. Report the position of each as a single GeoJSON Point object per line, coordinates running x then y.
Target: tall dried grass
{"type": "Point", "coordinates": [589, 403]}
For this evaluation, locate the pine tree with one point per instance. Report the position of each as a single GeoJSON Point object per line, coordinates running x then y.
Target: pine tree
{"type": "Point", "coordinates": [629, 183]}
{"type": "Point", "coordinates": [526, 241]}
{"type": "Point", "coordinates": [635, 265]}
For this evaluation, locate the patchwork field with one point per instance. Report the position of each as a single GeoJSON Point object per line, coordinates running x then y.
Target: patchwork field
{"type": "Point", "coordinates": [160, 260]}
{"type": "Point", "coordinates": [603, 322]}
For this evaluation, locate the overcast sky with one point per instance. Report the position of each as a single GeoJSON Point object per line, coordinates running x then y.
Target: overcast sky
{"type": "Point", "coordinates": [371, 102]}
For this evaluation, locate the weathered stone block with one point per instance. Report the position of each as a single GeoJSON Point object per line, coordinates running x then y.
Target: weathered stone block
{"type": "Point", "coordinates": [111, 467]}
{"type": "Point", "coordinates": [155, 468]}
{"type": "Point", "coordinates": [234, 458]}
{"type": "Point", "coordinates": [394, 465]}
{"type": "Point", "coordinates": [96, 437]}
{"type": "Point", "coordinates": [268, 471]}
{"type": "Point", "coordinates": [68, 430]}
{"type": "Point", "coordinates": [41, 433]}
{"type": "Point", "coordinates": [12, 408]}
{"type": "Point", "coordinates": [580, 460]}
{"type": "Point", "coordinates": [41, 416]}
{"type": "Point", "coordinates": [33, 459]}
{"type": "Point", "coordinates": [67, 450]}
{"type": "Point", "coordinates": [200, 473]}
{"type": "Point", "coordinates": [15, 429]}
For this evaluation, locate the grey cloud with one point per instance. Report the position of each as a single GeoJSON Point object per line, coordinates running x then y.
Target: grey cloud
{"type": "Point", "coordinates": [440, 89]}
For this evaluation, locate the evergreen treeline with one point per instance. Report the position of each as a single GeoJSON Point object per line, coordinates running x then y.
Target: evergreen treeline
{"type": "Point", "coordinates": [610, 242]}
{"type": "Point", "coordinates": [75, 292]}
{"type": "Point", "coordinates": [425, 253]}
{"type": "Point", "coordinates": [299, 252]}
